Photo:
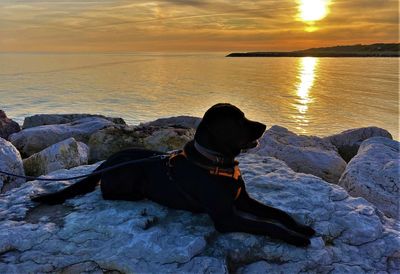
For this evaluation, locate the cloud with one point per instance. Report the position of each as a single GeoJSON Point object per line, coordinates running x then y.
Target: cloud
{"type": "Point", "coordinates": [119, 25]}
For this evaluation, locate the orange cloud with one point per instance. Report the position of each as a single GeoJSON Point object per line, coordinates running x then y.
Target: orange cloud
{"type": "Point", "coordinates": [188, 25]}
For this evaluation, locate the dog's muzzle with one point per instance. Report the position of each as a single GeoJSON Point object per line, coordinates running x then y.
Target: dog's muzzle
{"type": "Point", "coordinates": [250, 145]}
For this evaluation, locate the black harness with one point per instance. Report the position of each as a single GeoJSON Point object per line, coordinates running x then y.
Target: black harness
{"type": "Point", "coordinates": [232, 172]}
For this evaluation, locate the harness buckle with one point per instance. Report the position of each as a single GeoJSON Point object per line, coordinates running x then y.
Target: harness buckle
{"type": "Point", "coordinates": [172, 155]}
{"type": "Point", "coordinates": [165, 156]}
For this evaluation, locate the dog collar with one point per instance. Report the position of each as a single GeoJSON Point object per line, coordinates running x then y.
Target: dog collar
{"type": "Point", "coordinates": [233, 172]}
{"type": "Point", "coordinates": [212, 155]}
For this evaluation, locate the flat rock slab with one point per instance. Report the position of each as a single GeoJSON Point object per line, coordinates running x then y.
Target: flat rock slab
{"type": "Point", "coordinates": [349, 141]}
{"type": "Point", "coordinates": [143, 237]}
{"type": "Point", "coordinates": [307, 154]}
{"type": "Point", "coordinates": [63, 155]}
{"type": "Point", "coordinates": [35, 139]}
{"type": "Point", "coordinates": [374, 174]}
{"type": "Point", "coordinates": [54, 119]}
{"type": "Point", "coordinates": [10, 161]}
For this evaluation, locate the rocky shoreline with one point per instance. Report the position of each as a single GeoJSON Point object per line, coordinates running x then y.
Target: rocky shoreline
{"type": "Point", "coordinates": [346, 186]}
{"type": "Point", "coordinates": [373, 50]}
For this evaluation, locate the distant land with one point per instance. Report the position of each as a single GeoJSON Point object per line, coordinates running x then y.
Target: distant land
{"type": "Point", "coordinates": [374, 50]}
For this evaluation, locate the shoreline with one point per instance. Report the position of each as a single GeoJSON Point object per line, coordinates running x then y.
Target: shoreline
{"type": "Point", "coordinates": [373, 50]}
{"type": "Point", "coordinates": [133, 123]}
{"type": "Point", "coordinates": [284, 54]}
{"type": "Point", "coordinates": [316, 54]}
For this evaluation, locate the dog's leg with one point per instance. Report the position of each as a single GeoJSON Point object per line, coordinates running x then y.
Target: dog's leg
{"type": "Point", "coordinates": [235, 223]}
{"type": "Point", "coordinates": [247, 204]}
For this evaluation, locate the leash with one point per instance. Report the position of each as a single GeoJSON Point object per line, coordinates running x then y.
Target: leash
{"type": "Point", "coordinates": [143, 160]}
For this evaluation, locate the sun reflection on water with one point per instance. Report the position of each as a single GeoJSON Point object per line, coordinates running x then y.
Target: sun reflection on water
{"type": "Point", "coordinates": [306, 75]}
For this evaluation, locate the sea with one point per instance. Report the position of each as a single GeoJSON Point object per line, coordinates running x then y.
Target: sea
{"type": "Point", "coordinates": [307, 95]}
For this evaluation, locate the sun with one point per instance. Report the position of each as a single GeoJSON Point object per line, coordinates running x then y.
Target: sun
{"type": "Point", "coordinates": [313, 10]}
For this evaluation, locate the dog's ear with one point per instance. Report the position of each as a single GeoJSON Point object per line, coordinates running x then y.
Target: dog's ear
{"type": "Point", "coordinates": [222, 111]}
{"type": "Point", "coordinates": [214, 129]}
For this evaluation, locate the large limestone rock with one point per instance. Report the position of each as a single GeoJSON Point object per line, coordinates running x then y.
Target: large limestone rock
{"type": "Point", "coordinates": [178, 121]}
{"type": "Point", "coordinates": [166, 134]}
{"type": "Point", "coordinates": [307, 154]}
{"type": "Point", "coordinates": [110, 140]}
{"type": "Point", "coordinates": [348, 141]}
{"type": "Point", "coordinates": [10, 161]}
{"type": "Point", "coordinates": [166, 138]}
{"type": "Point", "coordinates": [63, 155]}
{"type": "Point", "coordinates": [35, 139]}
{"type": "Point", "coordinates": [88, 233]}
{"type": "Point", "coordinates": [7, 126]}
{"type": "Point", "coordinates": [374, 175]}
{"type": "Point", "coordinates": [53, 119]}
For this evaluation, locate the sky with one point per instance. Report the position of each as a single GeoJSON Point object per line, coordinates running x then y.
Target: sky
{"type": "Point", "coordinates": [193, 25]}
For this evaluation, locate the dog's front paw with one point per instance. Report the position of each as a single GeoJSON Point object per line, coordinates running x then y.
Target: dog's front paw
{"type": "Point", "coordinates": [305, 230]}
{"type": "Point", "coordinates": [49, 199]}
{"type": "Point", "coordinates": [298, 241]}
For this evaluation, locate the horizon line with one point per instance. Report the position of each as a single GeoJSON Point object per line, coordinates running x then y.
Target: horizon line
{"type": "Point", "coordinates": [178, 51]}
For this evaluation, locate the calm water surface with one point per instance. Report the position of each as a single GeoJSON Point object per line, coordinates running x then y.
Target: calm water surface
{"type": "Point", "coordinates": [316, 96]}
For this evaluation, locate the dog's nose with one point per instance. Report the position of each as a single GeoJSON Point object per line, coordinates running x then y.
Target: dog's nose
{"type": "Point", "coordinates": [258, 129]}
{"type": "Point", "coordinates": [262, 127]}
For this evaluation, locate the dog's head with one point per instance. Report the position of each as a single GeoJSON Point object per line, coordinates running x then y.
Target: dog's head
{"type": "Point", "coordinates": [225, 129]}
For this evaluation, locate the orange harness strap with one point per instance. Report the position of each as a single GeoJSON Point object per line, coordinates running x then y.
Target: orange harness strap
{"type": "Point", "coordinates": [238, 193]}
{"type": "Point", "coordinates": [216, 171]}
{"type": "Point", "coordinates": [235, 174]}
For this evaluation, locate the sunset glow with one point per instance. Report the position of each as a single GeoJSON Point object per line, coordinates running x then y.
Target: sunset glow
{"type": "Point", "coordinates": [307, 67]}
{"type": "Point", "coordinates": [306, 76]}
{"type": "Point", "coordinates": [193, 25]}
{"type": "Point", "coordinates": [313, 10]}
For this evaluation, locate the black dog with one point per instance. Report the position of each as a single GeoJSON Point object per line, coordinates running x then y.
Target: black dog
{"type": "Point", "coordinates": [204, 177]}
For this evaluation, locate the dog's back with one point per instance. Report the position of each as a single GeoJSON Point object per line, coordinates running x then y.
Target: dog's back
{"type": "Point", "coordinates": [154, 180]}
{"type": "Point", "coordinates": [123, 183]}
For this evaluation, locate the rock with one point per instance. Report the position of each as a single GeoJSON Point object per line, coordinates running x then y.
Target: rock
{"type": "Point", "coordinates": [84, 267]}
{"type": "Point", "coordinates": [178, 121]}
{"type": "Point", "coordinates": [143, 237]}
{"type": "Point", "coordinates": [115, 138]}
{"type": "Point", "coordinates": [374, 175]}
{"type": "Point", "coordinates": [348, 142]}
{"type": "Point", "coordinates": [10, 161]}
{"type": "Point", "coordinates": [307, 154]}
{"type": "Point", "coordinates": [112, 139]}
{"type": "Point", "coordinates": [166, 138]}
{"type": "Point", "coordinates": [35, 139]}
{"type": "Point", "coordinates": [63, 155]}
{"type": "Point", "coordinates": [262, 267]}
{"type": "Point", "coordinates": [7, 126]}
{"type": "Point", "coordinates": [53, 119]}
